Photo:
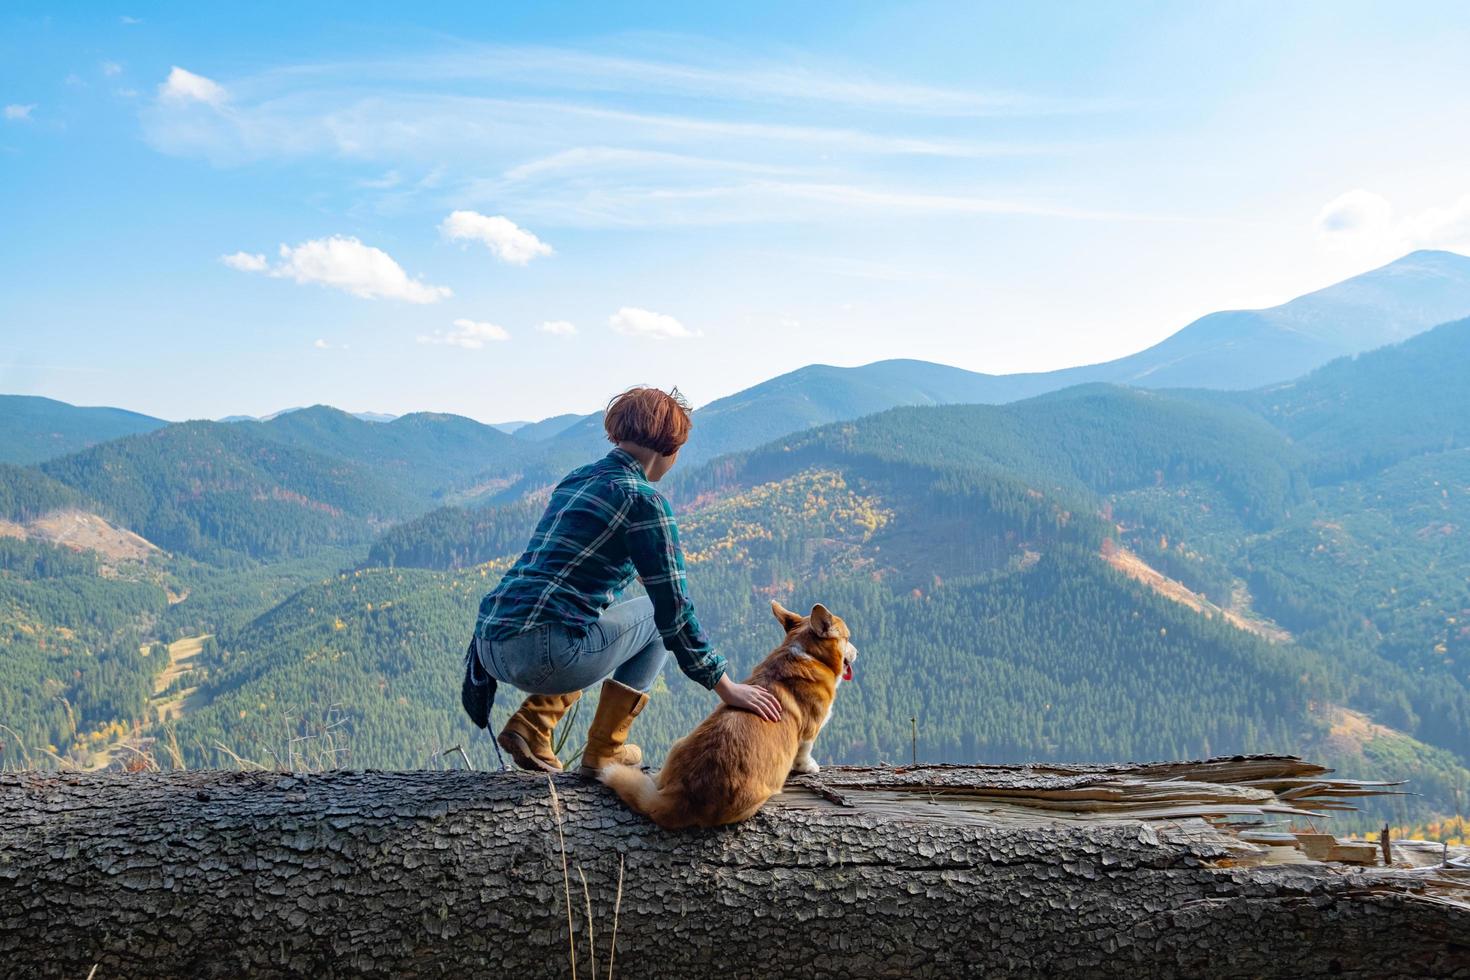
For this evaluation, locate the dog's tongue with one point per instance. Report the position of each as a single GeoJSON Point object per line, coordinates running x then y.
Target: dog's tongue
{"type": "Point", "coordinates": [847, 672]}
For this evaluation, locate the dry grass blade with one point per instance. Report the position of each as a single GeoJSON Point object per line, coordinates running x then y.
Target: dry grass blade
{"type": "Point", "coordinates": [176, 755]}
{"type": "Point", "coordinates": [140, 762]}
{"type": "Point", "coordinates": [245, 764]}
{"type": "Point", "coordinates": [24, 751]}
{"type": "Point", "coordinates": [587, 903]}
{"type": "Point", "coordinates": [575, 758]}
{"type": "Point", "coordinates": [61, 762]}
{"type": "Point", "coordinates": [566, 878]}
{"type": "Point", "coordinates": [612, 947]}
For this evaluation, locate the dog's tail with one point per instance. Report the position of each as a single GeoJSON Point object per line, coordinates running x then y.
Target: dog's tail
{"type": "Point", "coordinates": [637, 789]}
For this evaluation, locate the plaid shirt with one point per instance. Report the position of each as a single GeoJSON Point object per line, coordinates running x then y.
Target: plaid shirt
{"type": "Point", "coordinates": [604, 524]}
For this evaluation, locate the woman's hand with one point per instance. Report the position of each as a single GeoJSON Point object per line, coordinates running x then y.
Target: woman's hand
{"type": "Point", "coordinates": [748, 697]}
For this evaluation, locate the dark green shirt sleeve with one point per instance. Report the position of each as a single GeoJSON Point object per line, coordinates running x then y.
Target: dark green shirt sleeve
{"type": "Point", "coordinates": [653, 544]}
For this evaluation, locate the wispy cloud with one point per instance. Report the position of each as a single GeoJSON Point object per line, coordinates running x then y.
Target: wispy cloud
{"type": "Point", "coordinates": [630, 321]}
{"type": "Point", "coordinates": [245, 261]}
{"type": "Point", "coordinates": [469, 334]}
{"type": "Point", "coordinates": [415, 126]}
{"type": "Point", "coordinates": [111, 69]}
{"type": "Point", "coordinates": [683, 202]}
{"type": "Point", "coordinates": [19, 113]}
{"type": "Point", "coordinates": [342, 263]}
{"type": "Point", "coordinates": [557, 328]}
{"type": "Point", "coordinates": [567, 137]}
{"type": "Point", "coordinates": [722, 73]}
{"type": "Point", "coordinates": [388, 180]}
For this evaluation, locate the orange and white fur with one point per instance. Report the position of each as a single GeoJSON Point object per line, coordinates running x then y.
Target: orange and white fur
{"type": "Point", "coordinates": [726, 769]}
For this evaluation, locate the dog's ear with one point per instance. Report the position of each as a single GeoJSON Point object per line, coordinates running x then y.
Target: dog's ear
{"type": "Point", "coordinates": [821, 620]}
{"type": "Point", "coordinates": [788, 619]}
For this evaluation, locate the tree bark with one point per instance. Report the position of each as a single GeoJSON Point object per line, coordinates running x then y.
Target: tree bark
{"type": "Point", "coordinates": [929, 871]}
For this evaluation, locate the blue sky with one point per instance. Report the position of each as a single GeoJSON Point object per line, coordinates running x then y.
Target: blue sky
{"type": "Point", "coordinates": [510, 211]}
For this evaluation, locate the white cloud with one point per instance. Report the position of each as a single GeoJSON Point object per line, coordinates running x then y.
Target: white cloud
{"type": "Point", "coordinates": [507, 240]}
{"type": "Point", "coordinates": [342, 263]}
{"type": "Point", "coordinates": [1446, 227]}
{"type": "Point", "coordinates": [560, 328]}
{"type": "Point", "coordinates": [184, 86]}
{"type": "Point", "coordinates": [1354, 213]}
{"type": "Point", "coordinates": [630, 321]}
{"type": "Point", "coordinates": [245, 261]}
{"type": "Point", "coordinates": [1363, 221]}
{"type": "Point", "coordinates": [21, 113]}
{"type": "Point", "coordinates": [347, 264]}
{"type": "Point", "coordinates": [129, 21]}
{"type": "Point", "coordinates": [111, 68]}
{"type": "Point", "coordinates": [322, 345]}
{"type": "Point", "coordinates": [1359, 223]}
{"type": "Point", "coordinates": [470, 334]}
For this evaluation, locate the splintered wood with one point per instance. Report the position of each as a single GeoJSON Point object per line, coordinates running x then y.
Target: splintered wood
{"type": "Point", "coordinates": [1232, 799]}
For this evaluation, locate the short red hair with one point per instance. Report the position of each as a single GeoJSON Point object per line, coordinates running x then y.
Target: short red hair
{"type": "Point", "coordinates": [648, 417]}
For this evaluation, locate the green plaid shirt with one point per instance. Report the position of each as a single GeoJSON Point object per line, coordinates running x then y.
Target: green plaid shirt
{"type": "Point", "coordinates": [604, 524]}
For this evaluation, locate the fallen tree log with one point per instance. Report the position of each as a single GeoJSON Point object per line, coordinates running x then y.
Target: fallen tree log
{"type": "Point", "coordinates": [939, 871]}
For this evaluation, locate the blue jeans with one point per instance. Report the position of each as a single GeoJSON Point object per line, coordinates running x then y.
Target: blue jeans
{"type": "Point", "coordinates": [548, 659]}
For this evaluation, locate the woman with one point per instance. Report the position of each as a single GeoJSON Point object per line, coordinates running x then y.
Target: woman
{"type": "Point", "coordinates": [550, 627]}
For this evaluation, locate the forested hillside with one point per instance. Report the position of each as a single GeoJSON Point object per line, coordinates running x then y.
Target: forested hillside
{"type": "Point", "coordinates": [214, 490]}
{"type": "Point", "coordinates": [431, 456]}
{"type": "Point", "coordinates": [35, 429]}
{"type": "Point", "coordinates": [26, 493]}
{"type": "Point", "coordinates": [75, 664]}
{"type": "Point", "coordinates": [1360, 414]}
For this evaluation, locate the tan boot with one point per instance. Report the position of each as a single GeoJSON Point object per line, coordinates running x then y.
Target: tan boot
{"type": "Point", "coordinates": [616, 709]}
{"type": "Point", "coordinates": [527, 735]}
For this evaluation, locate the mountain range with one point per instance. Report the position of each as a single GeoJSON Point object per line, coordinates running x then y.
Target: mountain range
{"type": "Point", "coordinates": [364, 416]}
{"type": "Point", "coordinates": [1235, 349]}
{"type": "Point", "coordinates": [1238, 349]}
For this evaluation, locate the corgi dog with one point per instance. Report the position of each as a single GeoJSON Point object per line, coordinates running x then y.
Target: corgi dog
{"type": "Point", "coordinates": [726, 769]}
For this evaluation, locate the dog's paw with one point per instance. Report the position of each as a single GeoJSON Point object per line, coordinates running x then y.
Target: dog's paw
{"type": "Point", "coordinates": [806, 767]}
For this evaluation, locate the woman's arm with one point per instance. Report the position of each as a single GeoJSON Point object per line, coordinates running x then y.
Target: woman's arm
{"type": "Point", "coordinates": [653, 544]}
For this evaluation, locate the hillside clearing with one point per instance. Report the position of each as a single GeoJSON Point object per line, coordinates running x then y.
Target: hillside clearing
{"type": "Point", "coordinates": [181, 654]}
{"type": "Point", "coordinates": [82, 531]}
{"type": "Point", "coordinates": [1142, 572]}
{"type": "Point", "coordinates": [165, 705]}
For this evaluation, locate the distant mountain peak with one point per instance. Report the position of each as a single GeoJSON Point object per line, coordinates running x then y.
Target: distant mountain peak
{"type": "Point", "coordinates": [323, 409]}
